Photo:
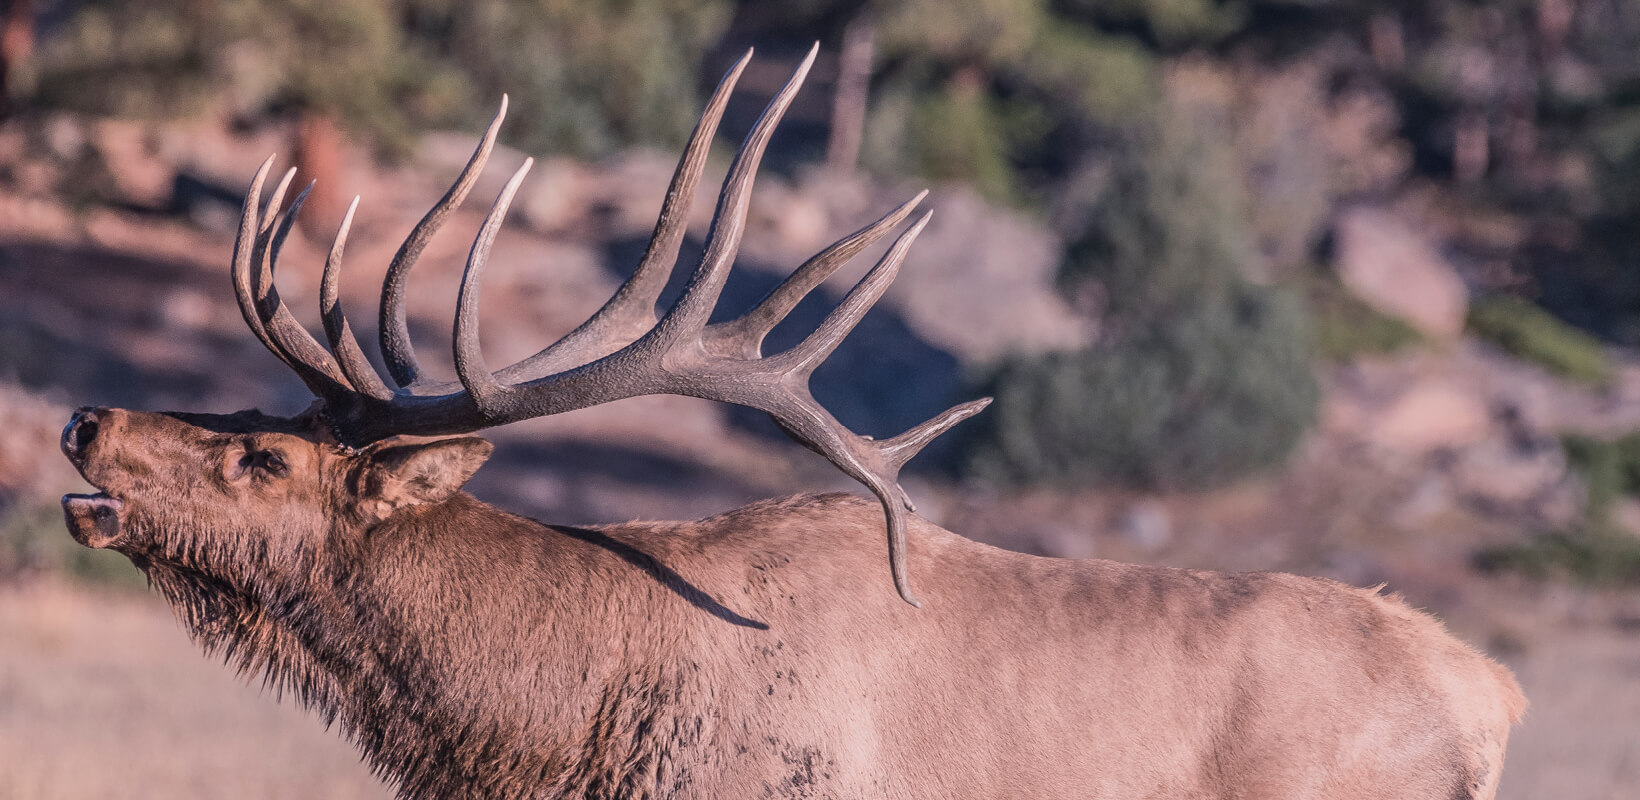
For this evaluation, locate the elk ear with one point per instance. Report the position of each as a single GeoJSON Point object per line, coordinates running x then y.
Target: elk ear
{"type": "Point", "coordinates": [410, 474]}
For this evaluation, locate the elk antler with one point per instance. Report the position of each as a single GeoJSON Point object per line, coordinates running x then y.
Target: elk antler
{"type": "Point", "coordinates": [623, 350]}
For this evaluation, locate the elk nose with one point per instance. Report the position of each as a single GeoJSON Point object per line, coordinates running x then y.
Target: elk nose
{"type": "Point", "coordinates": [82, 428]}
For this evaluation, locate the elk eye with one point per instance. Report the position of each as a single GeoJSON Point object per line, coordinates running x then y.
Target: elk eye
{"type": "Point", "coordinates": [274, 463]}
{"type": "Point", "coordinates": [268, 461]}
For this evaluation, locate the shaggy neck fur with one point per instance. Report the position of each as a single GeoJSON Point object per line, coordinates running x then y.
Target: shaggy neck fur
{"type": "Point", "coordinates": [458, 677]}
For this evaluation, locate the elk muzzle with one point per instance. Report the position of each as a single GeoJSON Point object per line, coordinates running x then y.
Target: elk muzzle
{"type": "Point", "coordinates": [81, 430]}
{"type": "Point", "coordinates": [93, 519]}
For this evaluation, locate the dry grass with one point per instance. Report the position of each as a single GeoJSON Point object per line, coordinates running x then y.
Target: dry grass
{"type": "Point", "coordinates": [1581, 737]}
{"type": "Point", "coordinates": [103, 696]}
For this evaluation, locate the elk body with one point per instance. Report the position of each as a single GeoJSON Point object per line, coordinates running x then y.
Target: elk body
{"type": "Point", "coordinates": [473, 653]}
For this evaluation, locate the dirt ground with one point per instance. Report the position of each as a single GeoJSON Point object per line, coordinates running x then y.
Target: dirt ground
{"type": "Point", "coordinates": [103, 696]}
{"type": "Point", "coordinates": [1580, 739]}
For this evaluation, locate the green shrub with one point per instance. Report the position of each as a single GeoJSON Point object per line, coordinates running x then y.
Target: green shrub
{"type": "Point", "coordinates": [33, 539]}
{"type": "Point", "coordinates": [1609, 468]}
{"type": "Point", "coordinates": [1172, 227]}
{"type": "Point", "coordinates": [1202, 377]}
{"type": "Point", "coordinates": [1597, 556]}
{"type": "Point", "coordinates": [1209, 395]}
{"type": "Point", "coordinates": [1594, 550]}
{"type": "Point", "coordinates": [584, 77]}
{"type": "Point", "coordinates": [1345, 327]}
{"type": "Point", "coordinates": [1535, 335]}
{"type": "Point", "coordinates": [960, 135]}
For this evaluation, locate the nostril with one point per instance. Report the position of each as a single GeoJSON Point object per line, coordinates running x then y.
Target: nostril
{"type": "Point", "coordinates": [82, 428]}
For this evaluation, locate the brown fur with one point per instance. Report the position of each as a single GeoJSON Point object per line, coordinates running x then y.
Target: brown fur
{"type": "Point", "coordinates": [761, 653]}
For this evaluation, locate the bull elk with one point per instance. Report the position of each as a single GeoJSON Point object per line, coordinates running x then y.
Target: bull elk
{"type": "Point", "coordinates": [473, 653]}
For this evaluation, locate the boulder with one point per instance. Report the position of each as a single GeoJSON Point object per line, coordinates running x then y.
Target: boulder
{"type": "Point", "coordinates": [794, 224]}
{"type": "Point", "coordinates": [140, 176]}
{"type": "Point", "coordinates": [1431, 414]}
{"type": "Point", "coordinates": [1146, 525]}
{"type": "Point", "coordinates": [980, 282]}
{"type": "Point", "coordinates": [1396, 270]}
{"type": "Point", "coordinates": [1626, 515]}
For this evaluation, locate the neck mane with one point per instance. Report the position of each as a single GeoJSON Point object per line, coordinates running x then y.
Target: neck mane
{"type": "Point", "coordinates": [456, 678]}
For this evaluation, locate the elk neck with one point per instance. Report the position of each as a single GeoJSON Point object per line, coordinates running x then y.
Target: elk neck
{"type": "Point", "coordinates": [470, 651]}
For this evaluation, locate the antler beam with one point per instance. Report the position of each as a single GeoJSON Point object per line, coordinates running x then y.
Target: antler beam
{"type": "Point", "coordinates": [623, 350]}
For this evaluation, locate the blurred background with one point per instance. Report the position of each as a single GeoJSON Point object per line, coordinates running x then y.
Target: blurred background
{"type": "Point", "coordinates": [1337, 287]}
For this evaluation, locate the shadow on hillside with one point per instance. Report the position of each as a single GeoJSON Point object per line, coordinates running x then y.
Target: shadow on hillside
{"type": "Point", "coordinates": [78, 319]}
{"type": "Point", "coordinates": [563, 480]}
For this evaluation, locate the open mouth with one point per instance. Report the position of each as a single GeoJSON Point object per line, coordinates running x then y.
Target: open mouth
{"type": "Point", "coordinates": [93, 519]}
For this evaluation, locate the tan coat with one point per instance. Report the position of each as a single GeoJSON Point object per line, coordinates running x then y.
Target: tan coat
{"type": "Point", "coordinates": [476, 654]}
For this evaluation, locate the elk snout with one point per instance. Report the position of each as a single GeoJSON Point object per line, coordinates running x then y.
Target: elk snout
{"type": "Point", "coordinates": [81, 430]}
{"type": "Point", "coordinates": [93, 519]}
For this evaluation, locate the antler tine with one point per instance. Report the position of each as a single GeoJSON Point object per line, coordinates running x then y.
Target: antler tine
{"type": "Point", "coordinates": [744, 334]}
{"type": "Point", "coordinates": [689, 314]}
{"type": "Point", "coordinates": [266, 228]}
{"type": "Point", "coordinates": [866, 460]}
{"type": "Point", "coordinates": [649, 278]}
{"type": "Point", "coordinates": [247, 246]}
{"type": "Point", "coordinates": [302, 352]}
{"type": "Point", "coordinates": [349, 356]}
{"type": "Point", "coordinates": [280, 223]}
{"type": "Point", "coordinates": [874, 463]}
{"type": "Point", "coordinates": [900, 449]}
{"type": "Point", "coordinates": [892, 497]}
{"type": "Point", "coordinates": [862, 459]}
{"type": "Point", "coordinates": [814, 349]}
{"type": "Point", "coordinates": [257, 224]}
{"type": "Point", "coordinates": [397, 351]}
{"type": "Point", "coordinates": [276, 201]}
{"type": "Point", "coordinates": [469, 357]}
{"type": "Point", "coordinates": [889, 456]}
{"type": "Point", "coordinates": [630, 313]}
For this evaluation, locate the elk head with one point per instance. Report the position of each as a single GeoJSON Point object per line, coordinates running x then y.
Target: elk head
{"type": "Point", "coordinates": [221, 508]}
{"type": "Point", "coordinates": [284, 481]}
